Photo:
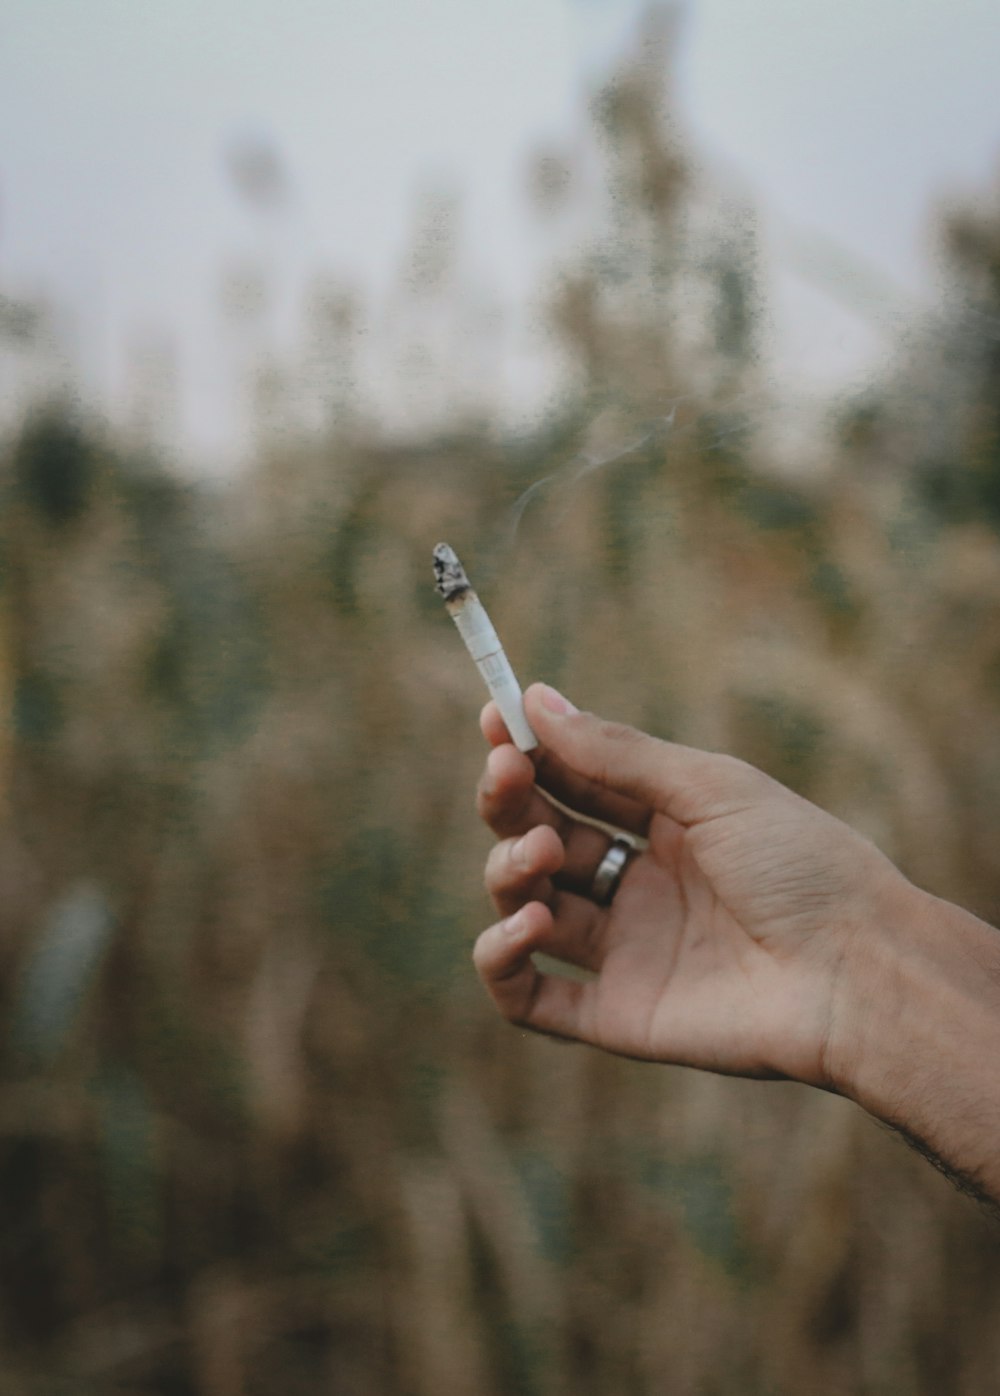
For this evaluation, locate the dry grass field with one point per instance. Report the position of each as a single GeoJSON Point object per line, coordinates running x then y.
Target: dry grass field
{"type": "Point", "coordinates": [260, 1133]}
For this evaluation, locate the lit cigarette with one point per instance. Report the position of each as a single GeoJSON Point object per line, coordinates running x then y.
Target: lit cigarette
{"type": "Point", "coordinates": [483, 643]}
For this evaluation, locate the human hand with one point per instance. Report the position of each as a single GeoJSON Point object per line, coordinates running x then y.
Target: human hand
{"type": "Point", "coordinates": [732, 941]}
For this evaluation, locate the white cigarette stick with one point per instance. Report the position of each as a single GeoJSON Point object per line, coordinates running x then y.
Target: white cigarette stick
{"type": "Point", "coordinates": [483, 643]}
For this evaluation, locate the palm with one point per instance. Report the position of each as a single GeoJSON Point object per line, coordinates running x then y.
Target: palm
{"type": "Point", "coordinates": [707, 965]}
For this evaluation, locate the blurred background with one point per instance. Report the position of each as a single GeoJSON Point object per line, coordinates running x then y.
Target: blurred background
{"type": "Point", "coordinates": [682, 325]}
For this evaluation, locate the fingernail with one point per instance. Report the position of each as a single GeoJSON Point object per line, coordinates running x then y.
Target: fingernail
{"type": "Point", "coordinates": [556, 703]}
{"type": "Point", "coordinates": [518, 852]}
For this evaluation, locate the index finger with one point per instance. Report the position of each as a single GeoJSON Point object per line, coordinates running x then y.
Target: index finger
{"type": "Point", "coordinates": [578, 793]}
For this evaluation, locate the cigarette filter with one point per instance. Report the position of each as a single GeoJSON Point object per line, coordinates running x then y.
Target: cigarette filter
{"type": "Point", "coordinates": [483, 643]}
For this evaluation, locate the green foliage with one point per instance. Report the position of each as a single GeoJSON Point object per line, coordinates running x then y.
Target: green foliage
{"type": "Point", "coordinates": [37, 707]}
{"type": "Point", "coordinates": [55, 466]}
{"type": "Point", "coordinates": [701, 1190]}
{"type": "Point", "coordinates": [780, 737]}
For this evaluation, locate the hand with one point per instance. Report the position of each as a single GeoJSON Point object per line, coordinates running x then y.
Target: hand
{"type": "Point", "coordinates": [730, 942]}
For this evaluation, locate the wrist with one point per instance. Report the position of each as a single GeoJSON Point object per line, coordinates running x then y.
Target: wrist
{"type": "Point", "coordinates": [919, 1021]}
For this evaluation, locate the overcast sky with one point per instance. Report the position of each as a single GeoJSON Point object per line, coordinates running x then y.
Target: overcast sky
{"type": "Point", "coordinates": [849, 119]}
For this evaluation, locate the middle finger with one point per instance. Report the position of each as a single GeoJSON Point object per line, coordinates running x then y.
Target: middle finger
{"type": "Point", "coordinates": [512, 805]}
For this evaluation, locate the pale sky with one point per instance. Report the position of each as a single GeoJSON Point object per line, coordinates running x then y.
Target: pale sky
{"type": "Point", "coordinates": [850, 120]}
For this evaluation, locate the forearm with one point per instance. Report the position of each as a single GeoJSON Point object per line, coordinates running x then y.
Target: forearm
{"type": "Point", "coordinates": [923, 1028]}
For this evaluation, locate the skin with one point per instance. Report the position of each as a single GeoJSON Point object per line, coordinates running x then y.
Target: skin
{"type": "Point", "coordinates": [754, 934]}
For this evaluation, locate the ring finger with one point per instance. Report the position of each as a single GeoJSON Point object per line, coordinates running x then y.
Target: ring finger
{"type": "Point", "coordinates": [521, 870]}
{"type": "Point", "coordinates": [536, 865]}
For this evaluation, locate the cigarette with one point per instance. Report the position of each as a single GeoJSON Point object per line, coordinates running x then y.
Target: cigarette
{"type": "Point", "coordinates": [483, 643]}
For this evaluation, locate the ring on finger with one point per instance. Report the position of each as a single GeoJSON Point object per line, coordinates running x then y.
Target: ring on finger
{"type": "Point", "coordinates": [610, 869]}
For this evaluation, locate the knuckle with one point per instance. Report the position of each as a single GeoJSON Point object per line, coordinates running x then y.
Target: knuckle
{"type": "Point", "coordinates": [620, 733]}
{"type": "Point", "coordinates": [480, 956]}
{"type": "Point", "coordinates": [729, 782]}
{"type": "Point", "coordinates": [482, 798]}
{"type": "Point", "coordinates": [740, 774]}
{"type": "Point", "coordinates": [621, 748]}
{"type": "Point", "coordinates": [493, 872]}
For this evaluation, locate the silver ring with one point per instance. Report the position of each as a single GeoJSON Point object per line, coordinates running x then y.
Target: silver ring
{"type": "Point", "coordinates": [609, 871]}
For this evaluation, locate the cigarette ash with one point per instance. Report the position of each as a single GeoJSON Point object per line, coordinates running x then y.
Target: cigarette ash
{"type": "Point", "coordinates": [449, 574]}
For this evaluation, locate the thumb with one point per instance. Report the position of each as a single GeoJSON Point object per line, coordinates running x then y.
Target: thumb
{"type": "Point", "coordinates": [688, 785]}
